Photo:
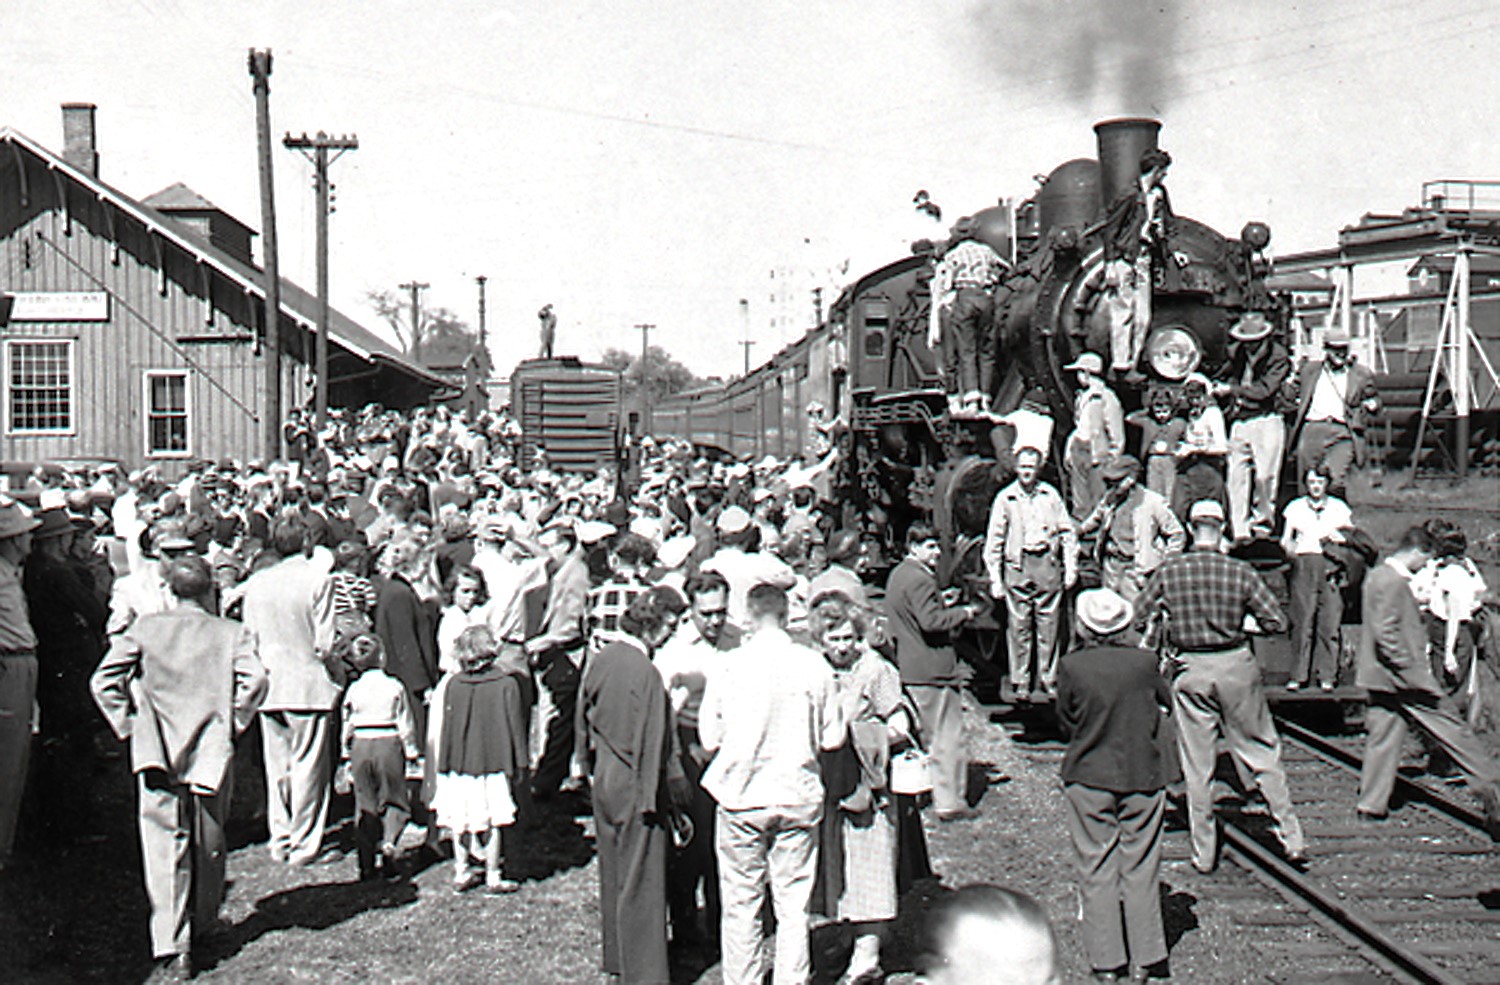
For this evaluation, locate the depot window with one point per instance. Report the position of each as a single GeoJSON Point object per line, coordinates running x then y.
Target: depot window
{"type": "Point", "coordinates": [41, 386]}
{"type": "Point", "coordinates": [167, 413]}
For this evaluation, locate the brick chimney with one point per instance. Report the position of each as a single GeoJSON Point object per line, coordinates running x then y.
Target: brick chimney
{"type": "Point", "coordinates": [79, 148]}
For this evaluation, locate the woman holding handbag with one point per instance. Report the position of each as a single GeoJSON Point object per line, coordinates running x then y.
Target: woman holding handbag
{"type": "Point", "coordinates": [862, 824]}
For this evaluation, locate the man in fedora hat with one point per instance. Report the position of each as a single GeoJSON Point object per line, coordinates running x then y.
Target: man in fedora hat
{"type": "Point", "coordinates": [963, 286]}
{"type": "Point", "coordinates": [1337, 399]}
{"type": "Point", "coordinates": [180, 686]}
{"type": "Point", "coordinates": [1098, 432]}
{"type": "Point", "coordinates": [69, 622]}
{"type": "Point", "coordinates": [1204, 597]}
{"type": "Point", "coordinates": [1114, 706]}
{"type": "Point", "coordinates": [1135, 528]}
{"type": "Point", "coordinates": [18, 667]}
{"type": "Point", "coordinates": [1252, 377]}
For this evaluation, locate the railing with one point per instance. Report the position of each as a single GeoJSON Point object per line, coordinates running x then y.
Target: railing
{"type": "Point", "coordinates": [1452, 195]}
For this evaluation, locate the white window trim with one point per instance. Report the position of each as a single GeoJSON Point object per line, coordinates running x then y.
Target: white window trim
{"type": "Point", "coordinates": [73, 391]}
{"type": "Point", "coordinates": [187, 403]}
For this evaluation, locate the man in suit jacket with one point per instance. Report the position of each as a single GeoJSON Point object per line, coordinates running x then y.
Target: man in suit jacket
{"type": "Point", "coordinates": [1336, 398]}
{"type": "Point", "coordinates": [289, 609]}
{"type": "Point", "coordinates": [921, 628]}
{"type": "Point", "coordinates": [180, 685]}
{"type": "Point", "coordinates": [1392, 665]}
{"type": "Point", "coordinates": [557, 654]}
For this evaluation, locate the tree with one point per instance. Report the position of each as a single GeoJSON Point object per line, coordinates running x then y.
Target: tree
{"type": "Point", "coordinates": [666, 375]}
{"type": "Point", "coordinates": [443, 340]}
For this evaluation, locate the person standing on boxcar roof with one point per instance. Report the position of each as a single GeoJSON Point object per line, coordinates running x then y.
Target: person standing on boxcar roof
{"type": "Point", "coordinates": [966, 277]}
{"type": "Point", "coordinates": [1204, 597]}
{"type": "Point", "coordinates": [1393, 666]}
{"type": "Point", "coordinates": [548, 330]}
{"type": "Point", "coordinates": [1252, 378]}
{"type": "Point", "coordinates": [1336, 400]}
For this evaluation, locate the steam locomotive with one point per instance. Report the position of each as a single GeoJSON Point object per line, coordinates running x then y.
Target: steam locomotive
{"type": "Point", "coordinates": [870, 363]}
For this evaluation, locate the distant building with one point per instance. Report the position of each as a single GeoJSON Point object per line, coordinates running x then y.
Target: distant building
{"type": "Point", "coordinates": [134, 329]}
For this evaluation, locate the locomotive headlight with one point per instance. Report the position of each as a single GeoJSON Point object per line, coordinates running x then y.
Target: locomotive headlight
{"type": "Point", "coordinates": [1173, 352]}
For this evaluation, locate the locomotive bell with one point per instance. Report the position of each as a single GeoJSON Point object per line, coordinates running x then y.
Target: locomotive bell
{"type": "Point", "coordinates": [1121, 144]}
{"type": "Point", "coordinates": [1256, 235]}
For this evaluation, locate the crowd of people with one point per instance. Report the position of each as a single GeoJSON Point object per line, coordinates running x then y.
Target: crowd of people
{"type": "Point", "coordinates": [704, 663]}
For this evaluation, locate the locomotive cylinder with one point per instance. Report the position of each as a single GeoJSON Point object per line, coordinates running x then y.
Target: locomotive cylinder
{"type": "Point", "coordinates": [1121, 144]}
{"type": "Point", "coordinates": [1069, 196]}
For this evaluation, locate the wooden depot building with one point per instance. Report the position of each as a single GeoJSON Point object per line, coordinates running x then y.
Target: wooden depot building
{"type": "Point", "coordinates": [135, 330]}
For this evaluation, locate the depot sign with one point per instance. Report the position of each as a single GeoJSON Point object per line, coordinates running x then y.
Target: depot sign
{"type": "Point", "coordinates": [54, 306]}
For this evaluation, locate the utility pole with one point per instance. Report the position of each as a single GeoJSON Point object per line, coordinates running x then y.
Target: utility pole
{"type": "Point", "coordinates": [484, 347]}
{"type": "Point", "coordinates": [416, 288]}
{"type": "Point", "coordinates": [746, 344]}
{"type": "Point", "coordinates": [319, 147]}
{"type": "Point", "coordinates": [260, 71]}
{"type": "Point", "coordinates": [645, 331]}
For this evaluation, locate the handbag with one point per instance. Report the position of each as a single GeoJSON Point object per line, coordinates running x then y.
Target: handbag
{"type": "Point", "coordinates": [911, 768]}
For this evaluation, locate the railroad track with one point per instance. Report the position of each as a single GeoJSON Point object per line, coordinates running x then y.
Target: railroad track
{"type": "Point", "coordinates": [1417, 896]}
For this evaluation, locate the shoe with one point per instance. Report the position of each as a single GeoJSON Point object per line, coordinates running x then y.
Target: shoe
{"type": "Point", "coordinates": [1205, 870]}
{"type": "Point", "coordinates": [172, 968]}
{"type": "Point", "coordinates": [467, 883]}
{"type": "Point", "coordinates": [502, 887]}
{"type": "Point", "coordinates": [1298, 857]}
{"type": "Point", "coordinates": [1106, 976]}
{"type": "Point", "coordinates": [962, 814]}
{"type": "Point", "coordinates": [1368, 817]}
{"type": "Point", "coordinates": [1294, 685]}
{"type": "Point", "coordinates": [1326, 686]}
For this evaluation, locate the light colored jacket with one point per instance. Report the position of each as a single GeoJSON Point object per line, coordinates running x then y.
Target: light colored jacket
{"type": "Point", "coordinates": [180, 685]}
{"type": "Point", "coordinates": [1157, 531]}
{"type": "Point", "coordinates": [289, 609]}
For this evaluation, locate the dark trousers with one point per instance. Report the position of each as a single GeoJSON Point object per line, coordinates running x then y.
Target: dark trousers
{"type": "Point", "coordinates": [1317, 609]}
{"type": "Point", "coordinates": [182, 854]}
{"type": "Point", "coordinates": [560, 676]}
{"type": "Point", "coordinates": [1117, 838]}
{"type": "Point", "coordinates": [969, 342]}
{"type": "Point", "coordinates": [377, 768]}
{"type": "Point", "coordinates": [633, 897]}
{"type": "Point", "coordinates": [698, 862]}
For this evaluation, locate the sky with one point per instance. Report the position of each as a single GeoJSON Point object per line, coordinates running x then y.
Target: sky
{"type": "Point", "coordinates": [652, 163]}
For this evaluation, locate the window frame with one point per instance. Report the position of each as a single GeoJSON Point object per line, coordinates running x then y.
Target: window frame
{"type": "Point", "coordinates": [147, 415]}
{"type": "Point", "coordinates": [71, 347]}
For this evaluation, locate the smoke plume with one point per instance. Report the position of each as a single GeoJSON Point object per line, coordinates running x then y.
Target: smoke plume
{"type": "Point", "coordinates": [1119, 53]}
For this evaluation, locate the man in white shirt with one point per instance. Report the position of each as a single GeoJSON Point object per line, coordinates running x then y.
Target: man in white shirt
{"type": "Point", "coordinates": [768, 712]}
{"type": "Point", "coordinates": [697, 650]}
{"type": "Point", "coordinates": [1337, 397]}
{"type": "Point", "coordinates": [741, 568]}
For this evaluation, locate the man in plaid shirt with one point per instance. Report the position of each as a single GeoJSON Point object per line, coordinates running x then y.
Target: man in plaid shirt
{"type": "Point", "coordinates": [630, 558]}
{"type": "Point", "coordinates": [1205, 598]}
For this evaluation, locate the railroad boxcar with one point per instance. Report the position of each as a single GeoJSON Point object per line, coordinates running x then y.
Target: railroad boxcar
{"type": "Point", "coordinates": [568, 410]}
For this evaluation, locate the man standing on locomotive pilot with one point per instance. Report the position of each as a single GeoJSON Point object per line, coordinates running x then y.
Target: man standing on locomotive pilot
{"type": "Point", "coordinates": [1336, 399]}
{"type": "Point", "coordinates": [1252, 378]}
{"type": "Point", "coordinates": [963, 308]}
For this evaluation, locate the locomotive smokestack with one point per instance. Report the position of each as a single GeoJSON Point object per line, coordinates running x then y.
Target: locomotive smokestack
{"type": "Point", "coordinates": [1121, 144]}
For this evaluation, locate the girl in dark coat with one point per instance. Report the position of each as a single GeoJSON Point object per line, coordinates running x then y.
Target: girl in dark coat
{"type": "Point", "coordinates": [482, 757]}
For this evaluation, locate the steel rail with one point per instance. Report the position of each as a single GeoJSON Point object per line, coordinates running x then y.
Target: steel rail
{"type": "Point", "coordinates": [1255, 857]}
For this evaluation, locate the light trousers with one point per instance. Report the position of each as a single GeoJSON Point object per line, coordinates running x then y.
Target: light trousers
{"type": "Point", "coordinates": [940, 717]}
{"type": "Point", "coordinates": [1117, 840]}
{"type": "Point", "coordinates": [17, 694]}
{"type": "Point", "coordinates": [298, 767]}
{"type": "Point", "coordinates": [770, 850]}
{"type": "Point", "coordinates": [1219, 695]}
{"type": "Point", "coordinates": [1033, 601]}
{"type": "Point", "coordinates": [1256, 446]}
{"type": "Point", "coordinates": [1387, 720]}
{"type": "Point", "coordinates": [182, 855]}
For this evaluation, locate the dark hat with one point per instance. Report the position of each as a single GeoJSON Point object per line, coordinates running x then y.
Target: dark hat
{"type": "Point", "coordinates": [54, 523]}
